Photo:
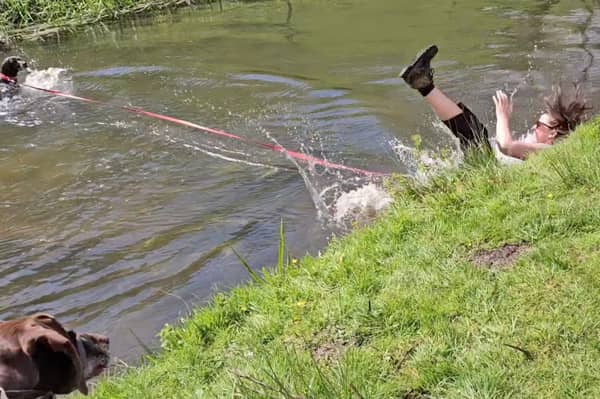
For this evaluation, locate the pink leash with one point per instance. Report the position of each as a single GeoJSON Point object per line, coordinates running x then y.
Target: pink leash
{"type": "Point", "coordinates": [277, 148]}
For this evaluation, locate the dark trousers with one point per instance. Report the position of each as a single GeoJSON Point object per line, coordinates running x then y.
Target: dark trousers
{"type": "Point", "coordinates": [469, 130]}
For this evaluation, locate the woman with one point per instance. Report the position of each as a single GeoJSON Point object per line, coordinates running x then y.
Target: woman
{"type": "Point", "coordinates": [561, 116]}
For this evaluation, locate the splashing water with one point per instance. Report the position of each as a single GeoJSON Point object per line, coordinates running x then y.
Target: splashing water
{"type": "Point", "coordinates": [339, 199]}
{"type": "Point", "coordinates": [51, 78]}
{"type": "Point", "coordinates": [20, 109]}
{"type": "Point", "coordinates": [422, 164]}
{"type": "Point", "coordinates": [361, 205]}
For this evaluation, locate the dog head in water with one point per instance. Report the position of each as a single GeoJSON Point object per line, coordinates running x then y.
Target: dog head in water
{"type": "Point", "coordinates": [11, 66]}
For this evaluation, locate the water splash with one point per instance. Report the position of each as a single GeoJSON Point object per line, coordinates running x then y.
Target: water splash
{"type": "Point", "coordinates": [341, 198]}
{"type": "Point", "coordinates": [527, 79]}
{"type": "Point", "coordinates": [361, 205]}
{"type": "Point", "coordinates": [23, 108]}
{"type": "Point", "coordinates": [423, 164]}
{"type": "Point", "coordinates": [51, 78]}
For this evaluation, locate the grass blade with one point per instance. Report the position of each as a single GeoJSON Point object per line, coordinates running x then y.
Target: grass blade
{"type": "Point", "coordinates": [145, 347]}
{"type": "Point", "coordinates": [255, 277]}
{"type": "Point", "coordinates": [281, 252]}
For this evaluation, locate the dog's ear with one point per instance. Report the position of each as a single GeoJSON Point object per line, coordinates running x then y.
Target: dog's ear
{"type": "Point", "coordinates": [46, 319]}
{"type": "Point", "coordinates": [46, 330]}
{"type": "Point", "coordinates": [50, 322]}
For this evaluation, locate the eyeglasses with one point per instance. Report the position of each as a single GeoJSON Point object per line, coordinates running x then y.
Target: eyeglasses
{"type": "Point", "coordinates": [547, 126]}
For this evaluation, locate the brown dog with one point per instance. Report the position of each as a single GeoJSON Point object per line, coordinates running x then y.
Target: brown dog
{"type": "Point", "coordinates": [37, 354]}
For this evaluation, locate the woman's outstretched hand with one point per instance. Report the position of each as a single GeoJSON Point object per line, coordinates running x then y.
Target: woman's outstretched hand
{"type": "Point", "coordinates": [504, 105]}
{"type": "Point", "coordinates": [513, 148]}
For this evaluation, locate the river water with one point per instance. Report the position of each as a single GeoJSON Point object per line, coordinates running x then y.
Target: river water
{"type": "Point", "coordinates": [116, 223]}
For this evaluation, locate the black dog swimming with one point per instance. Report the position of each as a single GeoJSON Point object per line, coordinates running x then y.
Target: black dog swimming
{"type": "Point", "coordinates": [9, 69]}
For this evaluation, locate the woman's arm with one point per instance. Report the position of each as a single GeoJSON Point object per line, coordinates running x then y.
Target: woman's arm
{"type": "Point", "coordinates": [508, 146]}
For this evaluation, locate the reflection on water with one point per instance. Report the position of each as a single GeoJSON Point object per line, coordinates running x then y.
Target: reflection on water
{"type": "Point", "coordinates": [116, 222]}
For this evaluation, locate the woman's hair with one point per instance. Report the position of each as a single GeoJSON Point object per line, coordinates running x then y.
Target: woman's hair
{"type": "Point", "coordinates": [569, 109]}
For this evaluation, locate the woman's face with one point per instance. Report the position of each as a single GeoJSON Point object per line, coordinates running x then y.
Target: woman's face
{"type": "Point", "coordinates": [546, 129]}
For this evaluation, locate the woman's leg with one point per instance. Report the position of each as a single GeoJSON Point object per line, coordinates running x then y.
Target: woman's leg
{"type": "Point", "coordinates": [461, 121]}
{"type": "Point", "coordinates": [443, 106]}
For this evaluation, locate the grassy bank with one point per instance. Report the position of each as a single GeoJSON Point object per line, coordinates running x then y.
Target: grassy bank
{"type": "Point", "coordinates": [417, 305]}
{"type": "Point", "coordinates": [31, 19]}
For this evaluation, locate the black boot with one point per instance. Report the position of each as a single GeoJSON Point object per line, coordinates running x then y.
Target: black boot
{"type": "Point", "coordinates": [419, 74]}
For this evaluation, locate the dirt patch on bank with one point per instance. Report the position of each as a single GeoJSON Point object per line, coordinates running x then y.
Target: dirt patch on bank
{"type": "Point", "coordinates": [499, 258]}
{"type": "Point", "coordinates": [330, 344]}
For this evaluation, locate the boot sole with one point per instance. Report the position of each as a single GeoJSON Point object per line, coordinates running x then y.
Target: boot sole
{"type": "Point", "coordinates": [407, 69]}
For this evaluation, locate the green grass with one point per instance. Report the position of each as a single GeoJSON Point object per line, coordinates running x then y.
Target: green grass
{"type": "Point", "coordinates": [398, 310]}
{"type": "Point", "coordinates": [32, 19]}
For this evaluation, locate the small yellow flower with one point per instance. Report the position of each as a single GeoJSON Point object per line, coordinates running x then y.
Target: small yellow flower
{"type": "Point", "coordinates": [301, 304]}
{"type": "Point", "coordinates": [550, 195]}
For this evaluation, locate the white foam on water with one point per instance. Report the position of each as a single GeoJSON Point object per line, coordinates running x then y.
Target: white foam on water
{"type": "Point", "coordinates": [50, 78]}
{"type": "Point", "coordinates": [341, 198]}
{"type": "Point", "coordinates": [22, 108]}
{"type": "Point", "coordinates": [423, 164]}
{"type": "Point", "coordinates": [361, 205]}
